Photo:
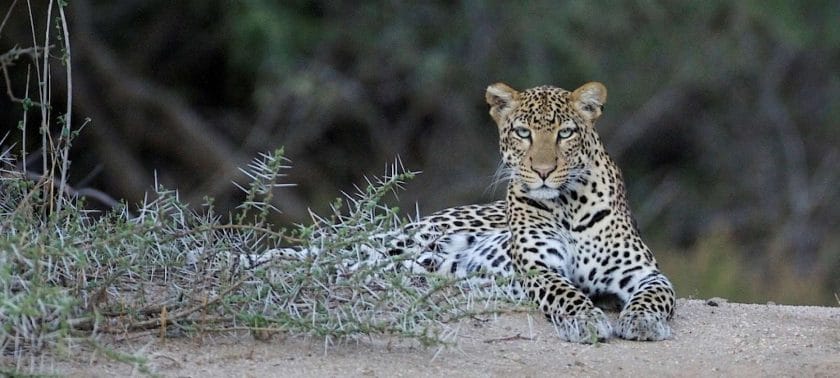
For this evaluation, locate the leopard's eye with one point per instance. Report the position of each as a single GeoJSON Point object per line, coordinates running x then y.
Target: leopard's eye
{"type": "Point", "coordinates": [522, 132]}
{"type": "Point", "coordinates": [565, 133]}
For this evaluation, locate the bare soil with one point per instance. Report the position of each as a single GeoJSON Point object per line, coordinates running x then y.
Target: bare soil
{"type": "Point", "coordinates": [711, 338]}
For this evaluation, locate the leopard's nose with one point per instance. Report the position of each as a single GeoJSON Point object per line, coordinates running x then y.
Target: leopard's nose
{"type": "Point", "coordinates": [543, 170]}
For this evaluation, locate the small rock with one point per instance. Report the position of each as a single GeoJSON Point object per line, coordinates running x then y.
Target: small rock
{"type": "Point", "coordinates": [771, 303]}
{"type": "Point", "coordinates": [716, 301]}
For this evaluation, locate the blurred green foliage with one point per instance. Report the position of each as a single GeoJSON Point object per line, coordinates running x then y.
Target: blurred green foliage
{"type": "Point", "coordinates": [722, 114]}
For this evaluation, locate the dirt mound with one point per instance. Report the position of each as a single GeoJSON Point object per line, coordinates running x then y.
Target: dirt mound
{"type": "Point", "coordinates": [710, 338]}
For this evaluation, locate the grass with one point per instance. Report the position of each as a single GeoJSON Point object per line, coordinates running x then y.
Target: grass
{"type": "Point", "coordinates": [77, 274]}
{"type": "Point", "coordinates": [71, 277]}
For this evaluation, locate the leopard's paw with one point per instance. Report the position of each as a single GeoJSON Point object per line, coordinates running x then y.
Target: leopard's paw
{"type": "Point", "coordinates": [587, 328]}
{"type": "Point", "coordinates": [643, 326]}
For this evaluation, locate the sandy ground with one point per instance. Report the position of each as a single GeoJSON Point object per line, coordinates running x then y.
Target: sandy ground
{"type": "Point", "coordinates": [725, 340]}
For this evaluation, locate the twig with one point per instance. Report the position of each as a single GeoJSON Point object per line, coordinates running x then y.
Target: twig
{"type": "Point", "coordinates": [86, 323]}
{"type": "Point", "coordinates": [6, 18]}
{"type": "Point", "coordinates": [7, 59]}
{"type": "Point", "coordinates": [43, 82]}
{"type": "Point", "coordinates": [136, 334]}
{"type": "Point", "coordinates": [67, 127]}
{"type": "Point", "coordinates": [68, 190]}
{"type": "Point", "coordinates": [518, 336]}
{"type": "Point", "coordinates": [147, 311]}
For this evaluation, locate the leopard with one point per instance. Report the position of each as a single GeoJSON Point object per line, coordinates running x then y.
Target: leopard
{"type": "Point", "coordinates": [564, 230]}
{"type": "Point", "coordinates": [565, 226]}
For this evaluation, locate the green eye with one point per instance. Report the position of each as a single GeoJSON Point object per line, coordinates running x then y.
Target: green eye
{"type": "Point", "coordinates": [522, 132]}
{"type": "Point", "coordinates": [565, 133]}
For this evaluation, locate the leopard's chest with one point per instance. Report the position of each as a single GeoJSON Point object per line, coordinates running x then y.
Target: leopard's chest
{"type": "Point", "coordinates": [552, 248]}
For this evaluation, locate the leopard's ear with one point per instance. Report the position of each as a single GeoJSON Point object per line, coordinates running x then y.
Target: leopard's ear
{"type": "Point", "coordinates": [589, 100]}
{"type": "Point", "coordinates": [502, 99]}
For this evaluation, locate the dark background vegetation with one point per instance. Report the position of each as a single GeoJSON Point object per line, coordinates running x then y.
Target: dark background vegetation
{"type": "Point", "coordinates": [723, 114]}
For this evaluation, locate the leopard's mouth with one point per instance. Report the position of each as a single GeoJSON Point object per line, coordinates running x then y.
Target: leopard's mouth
{"type": "Point", "coordinates": [543, 192]}
{"type": "Point", "coordinates": [538, 189]}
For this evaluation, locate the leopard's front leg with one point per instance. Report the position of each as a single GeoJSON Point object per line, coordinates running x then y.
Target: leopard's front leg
{"type": "Point", "coordinates": [575, 317]}
{"type": "Point", "coordinates": [645, 315]}
{"type": "Point", "coordinates": [540, 252]}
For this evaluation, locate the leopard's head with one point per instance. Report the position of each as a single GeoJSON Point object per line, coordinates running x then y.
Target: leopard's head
{"type": "Point", "coordinates": [546, 134]}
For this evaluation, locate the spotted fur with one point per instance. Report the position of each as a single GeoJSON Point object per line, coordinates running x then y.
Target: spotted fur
{"type": "Point", "coordinates": [565, 226]}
